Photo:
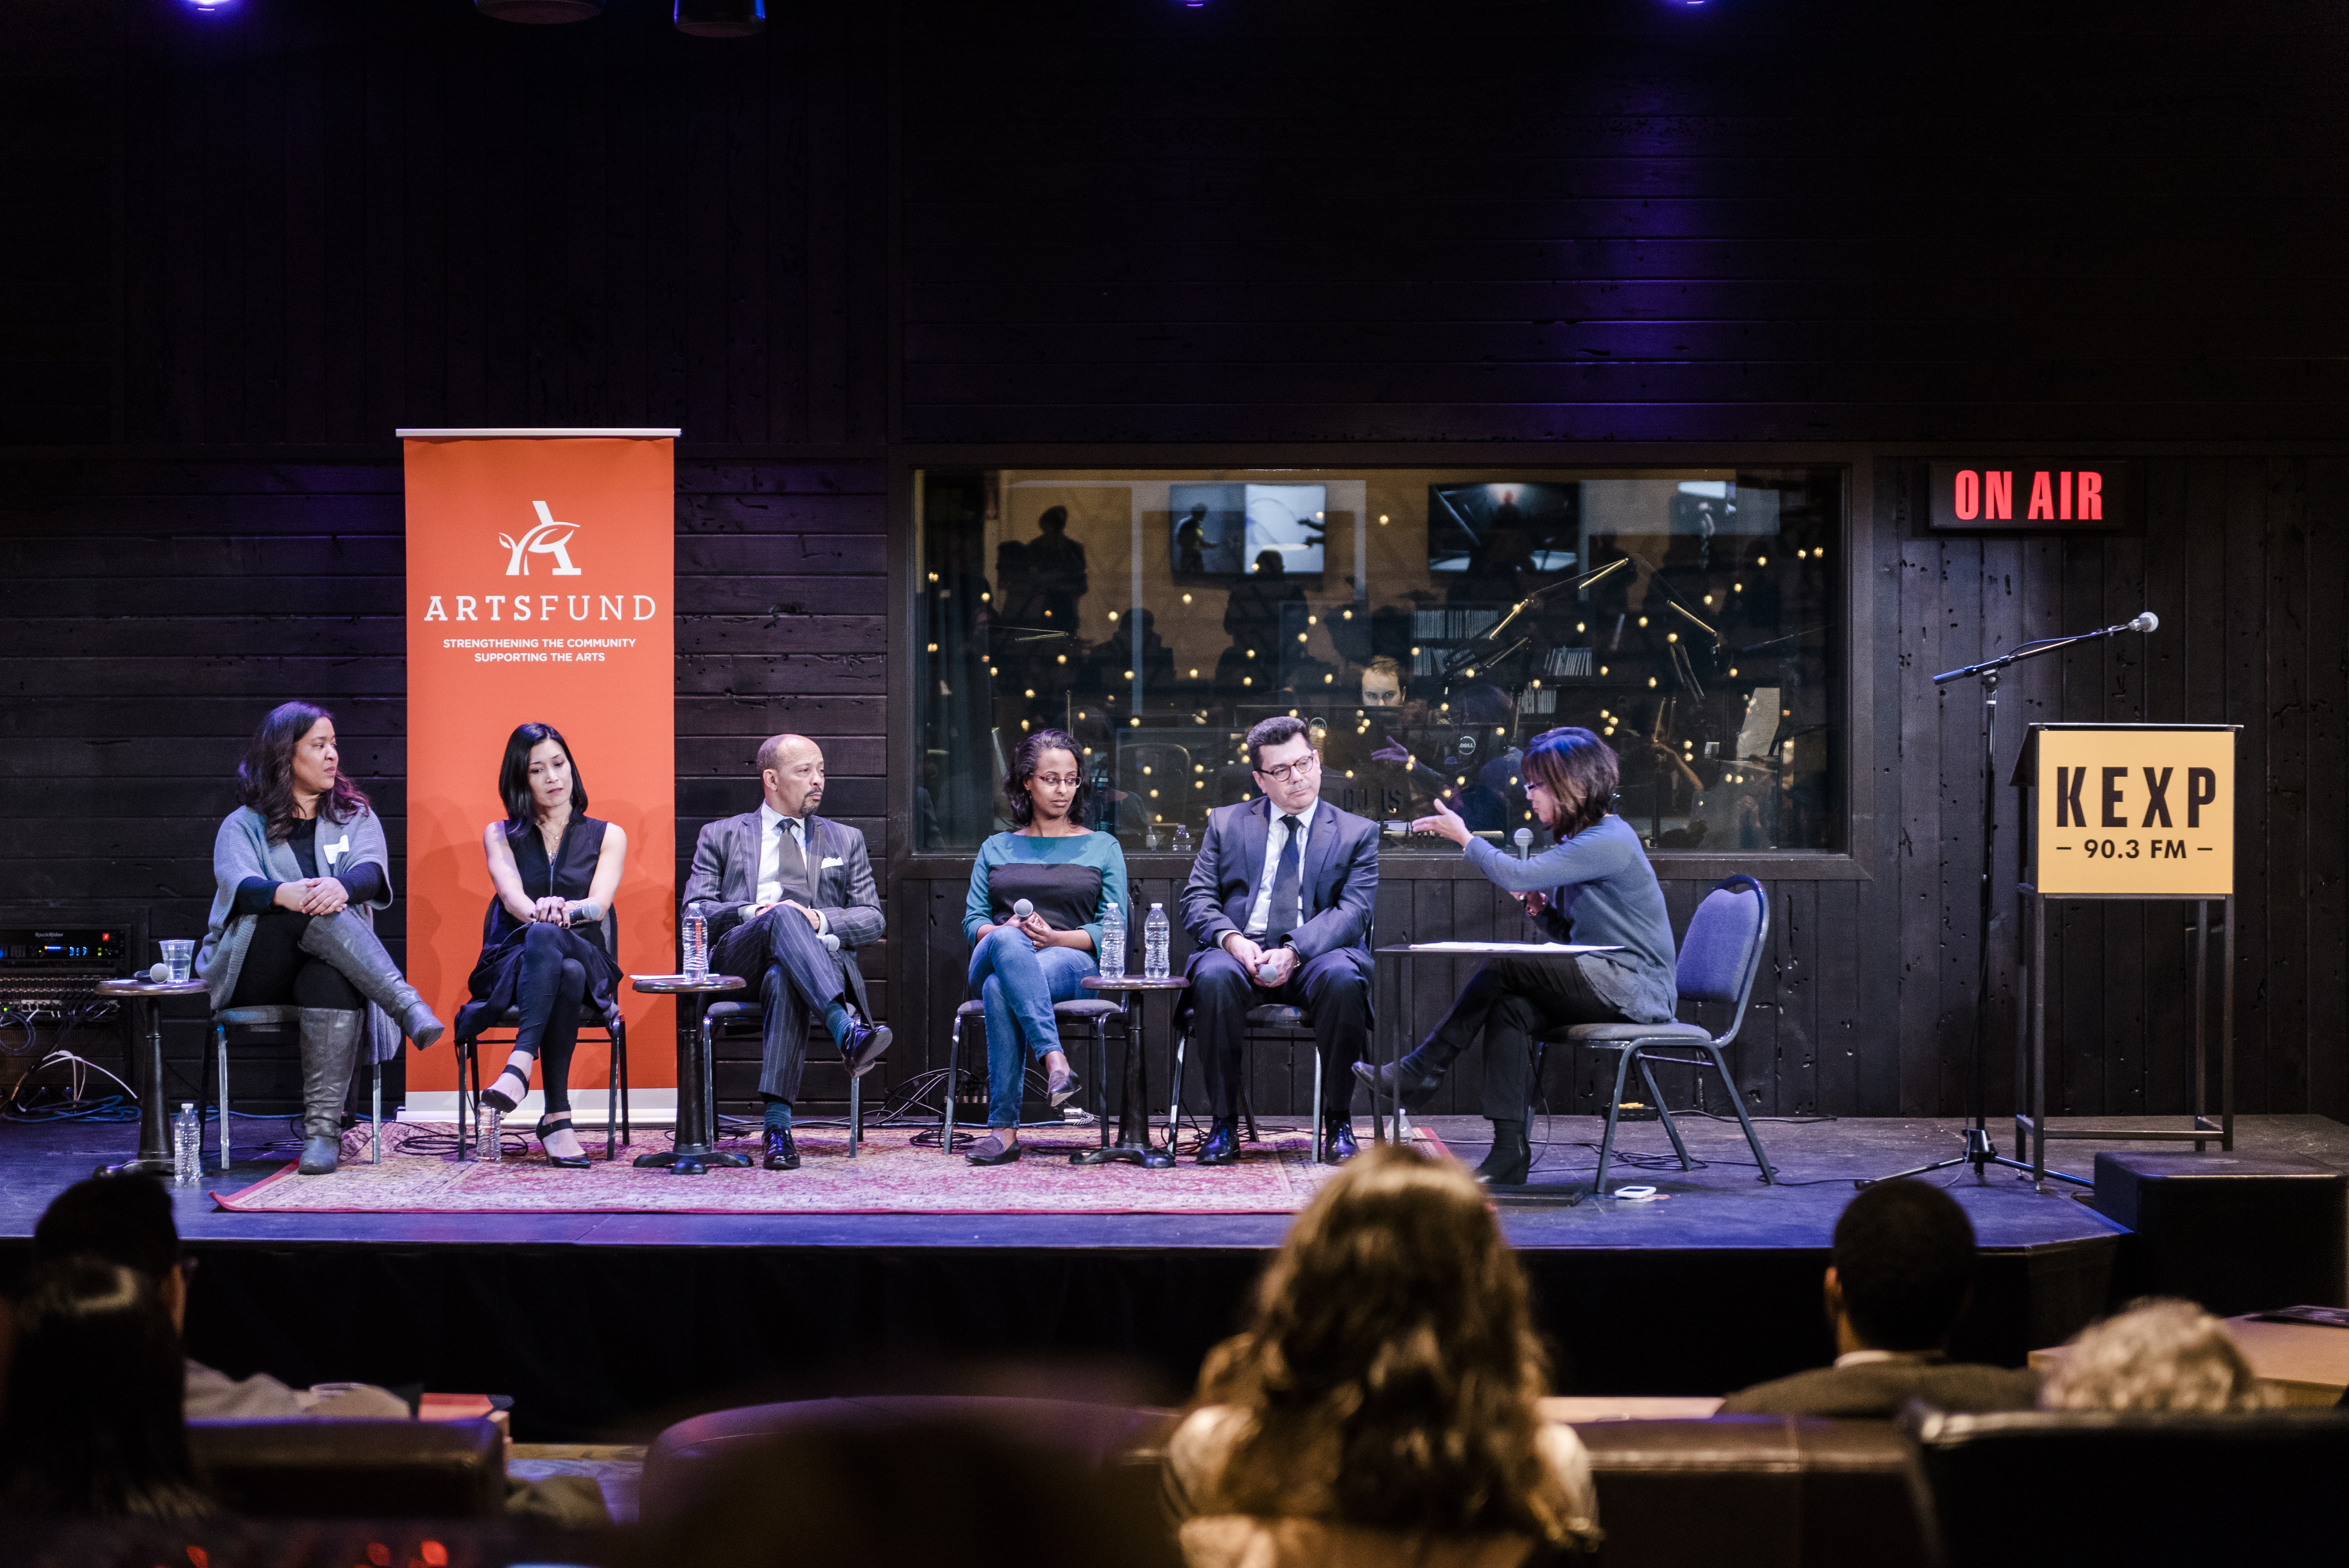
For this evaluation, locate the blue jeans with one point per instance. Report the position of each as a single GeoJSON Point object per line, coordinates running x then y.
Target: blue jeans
{"type": "Point", "coordinates": [1020, 983]}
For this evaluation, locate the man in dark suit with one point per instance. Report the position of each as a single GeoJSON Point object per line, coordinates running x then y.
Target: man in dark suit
{"type": "Point", "coordinates": [1902, 1269]}
{"type": "Point", "coordinates": [1279, 905]}
{"type": "Point", "coordinates": [789, 897]}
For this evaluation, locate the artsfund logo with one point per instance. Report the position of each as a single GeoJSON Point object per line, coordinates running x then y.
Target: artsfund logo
{"type": "Point", "coordinates": [547, 539]}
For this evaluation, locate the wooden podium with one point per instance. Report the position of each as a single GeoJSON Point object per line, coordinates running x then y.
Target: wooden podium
{"type": "Point", "coordinates": [2126, 812]}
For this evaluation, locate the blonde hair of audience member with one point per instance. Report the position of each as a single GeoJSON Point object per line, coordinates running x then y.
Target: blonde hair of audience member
{"type": "Point", "coordinates": [2159, 1355]}
{"type": "Point", "coordinates": [1392, 1369]}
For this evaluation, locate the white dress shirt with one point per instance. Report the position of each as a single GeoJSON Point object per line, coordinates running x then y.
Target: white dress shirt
{"type": "Point", "coordinates": [1260, 912]}
{"type": "Point", "coordinates": [770, 859]}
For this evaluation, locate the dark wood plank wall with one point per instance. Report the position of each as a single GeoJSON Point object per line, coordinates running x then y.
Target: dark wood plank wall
{"type": "Point", "coordinates": [265, 240]}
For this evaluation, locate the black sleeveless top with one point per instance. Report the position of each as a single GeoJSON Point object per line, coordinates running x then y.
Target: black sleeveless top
{"type": "Point", "coordinates": [571, 874]}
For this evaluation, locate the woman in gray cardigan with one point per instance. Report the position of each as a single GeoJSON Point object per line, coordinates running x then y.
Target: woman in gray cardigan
{"type": "Point", "coordinates": [1593, 886]}
{"type": "Point", "coordinates": [299, 869]}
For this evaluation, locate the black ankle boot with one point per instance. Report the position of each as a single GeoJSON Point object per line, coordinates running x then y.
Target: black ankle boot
{"type": "Point", "coordinates": [1512, 1159]}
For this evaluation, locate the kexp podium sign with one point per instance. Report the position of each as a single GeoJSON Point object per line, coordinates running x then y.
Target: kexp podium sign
{"type": "Point", "coordinates": [2135, 811]}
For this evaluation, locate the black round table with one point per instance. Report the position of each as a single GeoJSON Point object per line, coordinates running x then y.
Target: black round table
{"type": "Point", "coordinates": [154, 1157]}
{"type": "Point", "coordinates": [1133, 1146]}
{"type": "Point", "coordinates": [697, 1093]}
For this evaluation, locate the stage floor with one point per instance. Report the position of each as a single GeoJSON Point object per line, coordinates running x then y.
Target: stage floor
{"type": "Point", "coordinates": [1719, 1204]}
{"type": "Point", "coordinates": [605, 1326]}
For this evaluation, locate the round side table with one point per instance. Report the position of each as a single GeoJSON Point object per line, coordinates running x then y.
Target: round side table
{"type": "Point", "coordinates": [1132, 1145]}
{"type": "Point", "coordinates": [154, 1157]}
{"type": "Point", "coordinates": [697, 1109]}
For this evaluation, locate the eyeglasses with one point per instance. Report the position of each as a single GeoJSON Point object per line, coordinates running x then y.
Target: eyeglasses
{"type": "Point", "coordinates": [1056, 781]}
{"type": "Point", "coordinates": [1299, 769]}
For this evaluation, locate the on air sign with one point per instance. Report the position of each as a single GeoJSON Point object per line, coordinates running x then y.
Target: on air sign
{"type": "Point", "coordinates": [2134, 811]}
{"type": "Point", "coordinates": [2031, 497]}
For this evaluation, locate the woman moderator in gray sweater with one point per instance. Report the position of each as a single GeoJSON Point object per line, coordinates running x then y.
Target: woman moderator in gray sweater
{"type": "Point", "coordinates": [1593, 886]}
{"type": "Point", "coordinates": [298, 870]}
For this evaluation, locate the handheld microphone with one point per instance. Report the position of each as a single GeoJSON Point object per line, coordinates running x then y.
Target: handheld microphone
{"type": "Point", "coordinates": [2147, 621]}
{"type": "Point", "coordinates": [1022, 910]}
{"type": "Point", "coordinates": [1524, 838]}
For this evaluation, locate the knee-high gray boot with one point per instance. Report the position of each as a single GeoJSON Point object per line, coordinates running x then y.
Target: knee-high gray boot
{"type": "Point", "coordinates": [349, 943]}
{"type": "Point", "coordinates": [330, 1050]}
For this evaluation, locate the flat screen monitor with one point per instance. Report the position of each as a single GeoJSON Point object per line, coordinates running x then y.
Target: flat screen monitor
{"type": "Point", "coordinates": [1226, 530]}
{"type": "Point", "coordinates": [1512, 526]}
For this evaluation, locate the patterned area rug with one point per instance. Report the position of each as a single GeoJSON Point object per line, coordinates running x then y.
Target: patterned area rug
{"type": "Point", "coordinates": [890, 1175]}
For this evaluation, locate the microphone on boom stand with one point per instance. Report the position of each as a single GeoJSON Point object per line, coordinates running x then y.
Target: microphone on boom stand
{"type": "Point", "coordinates": [1980, 1152]}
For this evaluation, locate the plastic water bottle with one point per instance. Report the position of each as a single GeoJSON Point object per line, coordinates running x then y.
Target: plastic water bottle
{"type": "Point", "coordinates": [1183, 839]}
{"type": "Point", "coordinates": [488, 1135]}
{"type": "Point", "coordinates": [696, 944]}
{"type": "Point", "coordinates": [187, 1146]}
{"type": "Point", "coordinates": [1112, 953]}
{"type": "Point", "coordinates": [1156, 934]}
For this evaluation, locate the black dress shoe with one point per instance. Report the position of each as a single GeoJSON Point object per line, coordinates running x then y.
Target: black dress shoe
{"type": "Point", "coordinates": [866, 1045]}
{"type": "Point", "coordinates": [1223, 1144]}
{"type": "Point", "coordinates": [1338, 1142]}
{"type": "Point", "coordinates": [1381, 1077]}
{"type": "Point", "coordinates": [782, 1154]}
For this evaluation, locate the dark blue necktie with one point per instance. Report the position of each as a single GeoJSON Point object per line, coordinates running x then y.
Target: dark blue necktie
{"type": "Point", "coordinates": [1283, 916]}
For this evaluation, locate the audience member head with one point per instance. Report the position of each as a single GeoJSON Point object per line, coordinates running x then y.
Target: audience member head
{"type": "Point", "coordinates": [1394, 1325]}
{"type": "Point", "coordinates": [1570, 777]}
{"type": "Point", "coordinates": [121, 1220]}
{"type": "Point", "coordinates": [538, 775]}
{"type": "Point", "coordinates": [294, 758]}
{"type": "Point", "coordinates": [2159, 1355]}
{"type": "Point", "coordinates": [1047, 754]}
{"type": "Point", "coordinates": [1382, 682]}
{"type": "Point", "coordinates": [92, 1426]}
{"type": "Point", "coordinates": [1901, 1269]}
{"type": "Point", "coordinates": [790, 771]}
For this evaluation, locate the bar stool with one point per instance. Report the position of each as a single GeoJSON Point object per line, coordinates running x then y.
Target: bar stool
{"type": "Point", "coordinates": [276, 1018]}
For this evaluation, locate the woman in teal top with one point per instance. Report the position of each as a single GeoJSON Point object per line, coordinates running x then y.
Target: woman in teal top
{"type": "Point", "coordinates": [1020, 965]}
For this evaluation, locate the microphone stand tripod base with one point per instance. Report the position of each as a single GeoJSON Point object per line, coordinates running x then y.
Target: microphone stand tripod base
{"type": "Point", "coordinates": [1980, 1152]}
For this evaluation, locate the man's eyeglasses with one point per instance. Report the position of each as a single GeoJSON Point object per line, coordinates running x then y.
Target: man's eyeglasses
{"type": "Point", "coordinates": [1303, 766]}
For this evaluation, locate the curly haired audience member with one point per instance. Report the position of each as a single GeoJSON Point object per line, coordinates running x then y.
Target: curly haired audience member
{"type": "Point", "coordinates": [2159, 1355]}
{"type": "Point", "coordinates": [1381, 1406]}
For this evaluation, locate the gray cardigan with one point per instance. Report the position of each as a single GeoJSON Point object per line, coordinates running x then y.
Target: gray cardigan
{"type": "Point", "coordinates": [242, 849]}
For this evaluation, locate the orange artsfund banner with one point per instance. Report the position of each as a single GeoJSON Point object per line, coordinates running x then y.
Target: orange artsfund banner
{"type": "Point", "coordinates": [540, 569]}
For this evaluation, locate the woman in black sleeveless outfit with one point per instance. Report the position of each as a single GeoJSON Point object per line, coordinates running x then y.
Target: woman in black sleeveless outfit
{"type": "Point", "coordinates": [547, 946]}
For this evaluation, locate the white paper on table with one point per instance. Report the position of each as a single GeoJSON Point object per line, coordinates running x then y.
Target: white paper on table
{"type": "Point", "coordinates": [1554, 949]}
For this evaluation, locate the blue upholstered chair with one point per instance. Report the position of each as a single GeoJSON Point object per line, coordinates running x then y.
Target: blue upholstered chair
{"type": "Point", "coordinates": [1719, 959]}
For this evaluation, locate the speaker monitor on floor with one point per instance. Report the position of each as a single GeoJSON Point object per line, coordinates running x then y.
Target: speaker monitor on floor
{"type": "Point", "coordinates": [2231, 1231]}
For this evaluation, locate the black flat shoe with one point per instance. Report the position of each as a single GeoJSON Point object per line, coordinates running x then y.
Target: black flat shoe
{"type": "Point", "coordinates": [993, 1150]}
{"type": "Point", "coordinates": [782, 1154]}
{"type": "Point", "coordinates": [865, 1046]}
{"type": "Point", "coordinates": [1338, 1144]}
{"type": "Point", "coordinates": [1064, 1089]}
{"type": "Point", "coordinates": [557, 1124]}
{"type": "Point", "coordinates": [1223, 1144]}
{"type": "Point", "coordinates": [1380, 1079]}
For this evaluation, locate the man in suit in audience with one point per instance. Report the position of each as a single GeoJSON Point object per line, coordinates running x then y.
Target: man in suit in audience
{"type": "Point", "coordinates": [1279, 905]}
{"type": "Point", "coordinates": [774, 884]}
{"type": "Point", "coordinates": [1902, 1273]}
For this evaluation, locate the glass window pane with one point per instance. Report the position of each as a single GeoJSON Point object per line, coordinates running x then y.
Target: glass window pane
{"type": "Point", "coordinates": [1427, 622]}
